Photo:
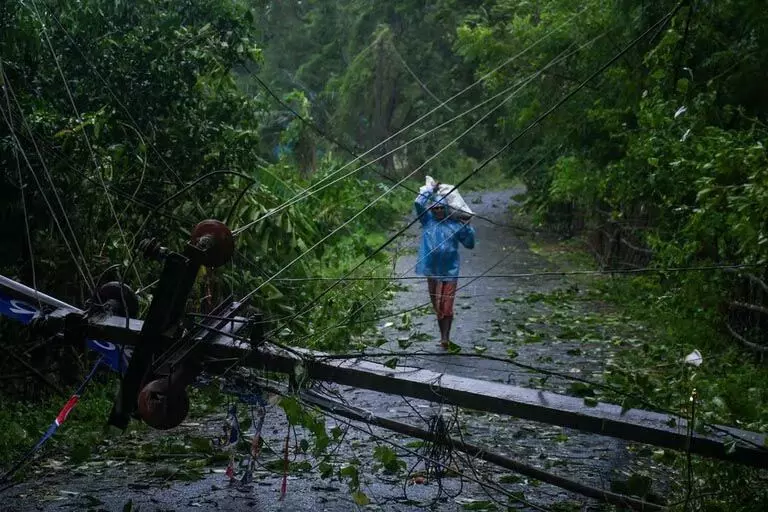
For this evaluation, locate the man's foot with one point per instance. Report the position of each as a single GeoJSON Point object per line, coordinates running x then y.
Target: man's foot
{"type": "Point", "coordinates": [445, 344]}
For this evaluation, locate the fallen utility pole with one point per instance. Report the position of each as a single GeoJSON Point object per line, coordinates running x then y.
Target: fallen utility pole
{"type": "Point", "coordinates": [663, 430]}
{"type": "Point", "coordinates": [481, 453]}
{"type": "Point", "coordinates": [186, 352]}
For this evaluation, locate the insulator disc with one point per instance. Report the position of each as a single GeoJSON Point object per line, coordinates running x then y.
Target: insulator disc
{"type": "Point", "coordinates": [163, 407]}
{"type": "Point", "coordinates": [215, 238]}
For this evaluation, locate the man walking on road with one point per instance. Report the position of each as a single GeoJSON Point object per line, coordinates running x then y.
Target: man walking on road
{"type": "Point", "coordinates": [439, 254]}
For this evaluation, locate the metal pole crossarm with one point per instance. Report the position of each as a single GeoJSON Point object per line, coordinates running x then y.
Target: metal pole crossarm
{"type": "Point", "coordinates": [107, 328]}
{"type": "Point", "coordinates": [114, 329]}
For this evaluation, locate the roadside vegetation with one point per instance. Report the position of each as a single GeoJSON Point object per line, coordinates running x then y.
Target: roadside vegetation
{"type": "Point", "coordinates": [130, 120]}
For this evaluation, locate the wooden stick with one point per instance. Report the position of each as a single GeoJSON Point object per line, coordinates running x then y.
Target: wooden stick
{"type": "Point", "coordinates": [752, 307]}
{"type": "Point", "coordinates": [744, 341]}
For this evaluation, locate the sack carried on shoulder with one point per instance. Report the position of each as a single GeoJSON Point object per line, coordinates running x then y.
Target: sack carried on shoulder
{"type": "Point", "coordinates": [457, 207]}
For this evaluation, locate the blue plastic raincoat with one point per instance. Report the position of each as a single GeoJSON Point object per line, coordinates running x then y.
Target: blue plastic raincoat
{"type": "Point", "coordinates": [439, 251]}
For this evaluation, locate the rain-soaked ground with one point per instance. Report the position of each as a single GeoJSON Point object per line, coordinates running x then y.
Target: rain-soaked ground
{"type": "Point", "coordinates": [495, 316]}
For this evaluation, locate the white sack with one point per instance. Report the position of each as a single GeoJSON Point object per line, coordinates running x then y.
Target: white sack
{"type": "Point", "coordinates": [695, 358]}
{"type": "Point", "coordinates": [455, 203]}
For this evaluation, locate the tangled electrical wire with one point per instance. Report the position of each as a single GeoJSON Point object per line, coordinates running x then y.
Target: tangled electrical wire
{"type": "Point", "coordinates": [438, 457]}
{"type": "Point", "coordinates": [436, 454]}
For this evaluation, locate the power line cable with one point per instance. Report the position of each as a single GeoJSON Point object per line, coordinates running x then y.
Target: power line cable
{"type": "Point", "coordinates": [350, 151]}
{"type": "Point", "coordinates": [314, 303]}
{"type": "Point", "coordinates": [387, 192]}
{"type": "Point", "coordinates": [321, 185]}
{"type": "Point", "coordinates": [547, 113]}
{"type": "Point", "coordinates": [646, 270]}
{"type": "Point", "coordinates": [482, 165]}
{"type": "Point", "coordinates": [340, 419]}
{"type": "Point", "coordinates": [27, 230]}
{"type": "Point", "coordinates": [51, 152]}
{"type": "Point", "coordinates": [495, 155]}
{"type": "Point", "coordinates": [96, 165]}
{"type": "Point", "coordinates": [348, 323]}
{"type": "Point", "coordinates": [54, 215]}
{"type": "Point", "coordinates": [463, 91]}
{"type": "Point", "coordinates": [355, 414]}
{"type": "Point", "coordinates": [418, 80]}
{"type": "Point", "coordinates": [114, 96]}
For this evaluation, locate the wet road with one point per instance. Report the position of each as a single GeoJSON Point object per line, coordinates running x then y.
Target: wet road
{"type": "Point", "coordinates": [491, 315]}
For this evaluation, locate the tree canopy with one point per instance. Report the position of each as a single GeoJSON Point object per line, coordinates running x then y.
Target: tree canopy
{"type": "Point", "coordinates": [124, 120]}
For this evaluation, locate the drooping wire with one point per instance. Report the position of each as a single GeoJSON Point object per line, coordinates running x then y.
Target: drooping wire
{"type": "Point", "coordinates": [155, 209]}
{"type": "Point", "coordinates": [387, 192]}
{"type": "Point", "coordinates": [415, 453]}
{"type": "Point", "coordinates": [644, 270]}
{"type": "Point", "coordinates": [515, 276]}
{"type": "Point", "coordinates": [315, 301]}
{"type": "Point", "coordinates": [338, 143]}
{"type": "Point", "coordinates": [529, 127]}
{"type": "Point", "coordinates": [54, 215]}
{"type": "Point", "coordinates": [26, 229]}
{"type": "Point", "coordinates": [463, 91]}
{"type": "Point", "coordinates": [87, 140]}
{"type": "Point", "coordinates": [331, 411]}
{"type": "Point", "coordinates": [417, 79]}
{"type": "Point", "coordinates": [321, 185]}
{"type": "Point", "coordinates": [400, 232]}
{"type": "Point", "coordinates": [543, 116]}
{"type": "Point", "coordinates": [52, 152]}
{"type": "Point", "coordinates": [301, 340]}
{"type": "Point", "coordinates": [9, 93]}
{"type": "Point", "coordinates": [183, 190]}
{"type": "Point", "coordinates": [565, 376]}
{"type": "Point", "coordinates": [544, 371]}
{"type": "Point", "coordinates": [115, 97]}
{"type": "Point", "coordinates": [437, 455]}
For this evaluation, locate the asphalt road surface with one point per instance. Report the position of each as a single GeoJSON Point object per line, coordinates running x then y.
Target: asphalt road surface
{"type": "Point", "coordinates": [489, 312]}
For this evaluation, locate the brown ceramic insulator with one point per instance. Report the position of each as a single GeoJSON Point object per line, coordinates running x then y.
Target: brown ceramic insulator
{"type": "Point", "coordinates": [215, 239]}
{"type": "Point", "coordinates": [163, 406]}
{"type": "Point", "coordinates": [122, 299]}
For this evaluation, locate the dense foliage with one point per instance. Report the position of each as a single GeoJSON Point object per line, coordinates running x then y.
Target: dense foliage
{"type": "Point", "coordinates": [112, 108]}
{"type": "Point", "coordinates": [667, 150]}
{"type": "Point", "coordinates": [670, 138]}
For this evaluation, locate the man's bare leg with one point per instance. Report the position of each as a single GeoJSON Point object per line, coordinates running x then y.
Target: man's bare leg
{"type": "Point", "coordinates": [432, 287]}
{"type": "Point", "coordinates": [435, 296]}
{"type": "Point", "coordinates": [448, 321]}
